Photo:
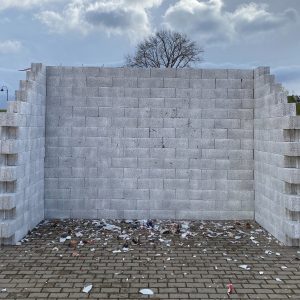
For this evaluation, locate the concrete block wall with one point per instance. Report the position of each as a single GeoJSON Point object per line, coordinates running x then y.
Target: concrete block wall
{"type": "Point", "coordinates": [22, 152]}
{"type": "Point", "coordinates": [149, 143]}
{"type": "Point", "coordinates": [277, 159]}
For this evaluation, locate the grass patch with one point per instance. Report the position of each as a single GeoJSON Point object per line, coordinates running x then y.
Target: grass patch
{"type": "Point", "coordinates": [291, 99]}
{"type": "Point", "coordinates": [3, 110]}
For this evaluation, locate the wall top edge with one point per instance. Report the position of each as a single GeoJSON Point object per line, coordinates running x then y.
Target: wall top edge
{"type": "Point", "coordinates": [160, 69]}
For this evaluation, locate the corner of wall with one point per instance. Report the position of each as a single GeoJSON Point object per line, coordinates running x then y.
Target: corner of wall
{"type": "Point", "coordinates": [277, 159]}
{"type": "Point", "coordinates": [22, 151]}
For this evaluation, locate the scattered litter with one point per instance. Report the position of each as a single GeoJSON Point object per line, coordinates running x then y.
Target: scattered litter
{"type": "Point", "coordinates": [277, 254]}
{"type": "Point", "coordinates": [230, 288]}
{"type": "Point", "coordinates": [3, 290]}
{"type": "Point", "coordinates": [146, 292]}
{"type": "Point", "coordinates": [245, 267]}
{"type": "Point", "coordinates": [248, 225]}
{"type": "Point", "coordinates": [278, 279]}
{"type": "Point", "coordinates": [117, 251]}
{"type": "Point", "coordinates": [87, 288]}
{"type": "Point", "coordinates": [261, 272]}
{"type": "Point", "coordinates": [73, 243]}
{"type": "Point", "coordinates": [283, 267]}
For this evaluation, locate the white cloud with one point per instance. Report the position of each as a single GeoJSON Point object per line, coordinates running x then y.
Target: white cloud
{"type": "Point", "coordinates": [23, 4]}
{"type": "Point", "coordinates": [204, 19]}
{"type": "Point", "coordinates": [254, 18]}
{"type": "Point", "coordinates": [209, 21]}
{"type": "Point", "coordinates": [10, 46]}
{"type": "Point", "coordinates": [128, 17]}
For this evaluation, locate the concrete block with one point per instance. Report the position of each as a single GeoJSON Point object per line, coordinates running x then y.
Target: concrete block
{"type": "Point", "coordinates": [150, 82]}
{"type": "Point", "coordinates": [214, 74]}
{"type": "Point", "coordinates": [108, 72]}
{"type": "Point", "coordinates": [136, 72]}
{"type": "Point", "coordinates": [151, 102]}
{"type": "Point", "coordinates": [240, 93]}
{"type": "Point", "coordinates": [177, 103]}
{"type": "Point", "coordinates": [128, 82]}
{"type": "Point", "coordinates": [176, 83]}
{"type": "Point", "coordinates": [228, 83]}
{"type": "Point", "coordinates": [228, 123]}
{"type": "Point", "coordinates": [203, 83]}
{"type": "Point", "coordinates": [168, 72]}
{"type": "Point", "coordinates": [138, 92]}
{"type": "Point", "coordinates": [162, 92]}
{"type": "Point", "coordinates": [240, 74]}
{"type": "Point", "coordinates": [162, 132]}
{"type": "Point", "coordinates": [99, 81]}
{"type": "Point", "coordinates": [111, 92]}
{"type": "Point", "coordinates": [150, 122]}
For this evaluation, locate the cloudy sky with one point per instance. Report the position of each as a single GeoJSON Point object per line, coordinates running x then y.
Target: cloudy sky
{"type": "Point", "coordinates": [233, 33]}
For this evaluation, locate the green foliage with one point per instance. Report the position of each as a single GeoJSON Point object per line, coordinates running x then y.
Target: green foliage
{"type": "Point", "coordinates": [295, 99]}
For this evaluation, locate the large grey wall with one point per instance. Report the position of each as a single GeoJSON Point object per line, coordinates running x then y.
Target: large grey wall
{"type": "Point", "coordinates": [134, 143]}
{"type": "Point", "coordinates": [22, 153]}
{"type": "Point", "coordinates": [277, 160]}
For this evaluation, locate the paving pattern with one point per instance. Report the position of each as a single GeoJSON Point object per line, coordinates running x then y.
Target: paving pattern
{"type": "Point", "coordinates": [182, 260]}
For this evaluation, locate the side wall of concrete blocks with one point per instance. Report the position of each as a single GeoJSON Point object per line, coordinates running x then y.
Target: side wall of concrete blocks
{"type": "Point", "coordinates": [22, 152]}
{"type": "Point", "coordinates": [149, 143]}
{"type": "Point", "coordinates": [277, 159]}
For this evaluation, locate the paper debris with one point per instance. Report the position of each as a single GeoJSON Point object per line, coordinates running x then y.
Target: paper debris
{"type": "Point", "coordinates": [283, 267]}
{"type": "Point", "coordinates": [117, 251]}
{"type": "Point", "coordinates": [146, 292]}
{"type": "Point", "coordinates": [245, 267]}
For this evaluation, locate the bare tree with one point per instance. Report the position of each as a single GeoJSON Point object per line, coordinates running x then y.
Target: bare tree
{"type": "Point", "coordinates": [165, 49]}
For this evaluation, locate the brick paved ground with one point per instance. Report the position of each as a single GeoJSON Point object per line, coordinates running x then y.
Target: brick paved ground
{"type": "Point", "coordinates": [198, 267]}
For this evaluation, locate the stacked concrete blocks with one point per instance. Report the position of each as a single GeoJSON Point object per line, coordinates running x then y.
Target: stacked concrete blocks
{"type": "Point", "coordinates": [277, 145]}
{"type": "Point", "coordinates": [149, 143]}
{"type": "Point", "coordinates": [22, 155]}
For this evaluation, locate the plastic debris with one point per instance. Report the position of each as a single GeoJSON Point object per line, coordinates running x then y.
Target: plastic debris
{"type": "Point", "coordinates": [230, 288]}
{"type": "Point", "coordinates": [3, 290]}
{"type": "Point", "coordinates": [78, 234]}
{"type": "Point", "coordinates": [245, 267]}
{"type": "Point", "coordinates": [261, 272]}
{"type": "Point", "coordinates": [146, 292]}
{"type": "Point", "coordinates": [278, 279]}
{"type": "Point", "coordinates": [87, 288]}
